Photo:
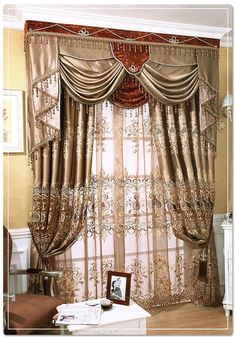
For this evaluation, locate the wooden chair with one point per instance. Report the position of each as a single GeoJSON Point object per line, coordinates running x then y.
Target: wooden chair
{"type": "Point", "coordinates": [26, 313]}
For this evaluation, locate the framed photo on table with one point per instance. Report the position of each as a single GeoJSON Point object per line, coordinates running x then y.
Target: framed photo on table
{"type": "Point", "coordinates": [118, 287]}
{"type": "Point", "coordinates": [13, 121]}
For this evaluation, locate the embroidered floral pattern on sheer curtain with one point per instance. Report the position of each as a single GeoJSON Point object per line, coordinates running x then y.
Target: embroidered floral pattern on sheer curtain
{"type": "Point", "coordinates": [133, 210]}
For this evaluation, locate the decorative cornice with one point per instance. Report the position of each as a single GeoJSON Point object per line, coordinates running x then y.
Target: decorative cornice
{"type": "Point", "coordinates": [20, 233]}
{"type": "Point", "coordinates": [18, 15]}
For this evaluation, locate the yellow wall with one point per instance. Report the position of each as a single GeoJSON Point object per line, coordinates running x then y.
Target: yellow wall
{"type": "Point", "coordinates": [223, 164]}
{"type": "Point", "coordinates": [17, 174]}
{"type": "Point", "coordinates": [17, 193]}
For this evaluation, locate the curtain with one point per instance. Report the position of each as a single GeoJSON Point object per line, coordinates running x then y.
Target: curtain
{"type": "Point", "coordinates": [61, 180]}
{"type": "Point", "coordinates": [186, 163]}
{"type": "Point", "coordinates": [159, 209]}
{"type": "Point", "coordinates": [135, 209]}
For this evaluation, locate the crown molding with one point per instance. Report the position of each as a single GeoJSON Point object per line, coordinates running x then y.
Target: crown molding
{"type": "Point", "coordinates": [226, 41]}
{"type": "Point", "coordinates": [17, 16]}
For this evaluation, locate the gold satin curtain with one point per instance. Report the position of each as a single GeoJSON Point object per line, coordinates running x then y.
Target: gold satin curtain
{"type": "Point", "coordinates": [69, 77]}
{"type": "Point", "coordinates": [61, 181]}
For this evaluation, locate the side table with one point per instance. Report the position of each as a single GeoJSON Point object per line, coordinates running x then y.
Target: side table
{"type": "Point", "coordinates": [119, 320]}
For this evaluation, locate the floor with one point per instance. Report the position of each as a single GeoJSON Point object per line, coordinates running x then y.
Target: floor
{"type": "Point", "coordinates": [189, 319]}
{"type": "Point", "coordinates": [182, 319]}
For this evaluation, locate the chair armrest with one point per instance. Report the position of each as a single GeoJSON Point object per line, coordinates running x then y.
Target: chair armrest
{"type": "Point", "coordinates": [9, 297]}
{"type": "Point", "coordinates": [29, 271]}
{"type": "Point", "coordinates": [56, 274]}
{"type": "Point", "coordinates": [39, 272]}
{"type": "Point", "coordinates": [47, 277]}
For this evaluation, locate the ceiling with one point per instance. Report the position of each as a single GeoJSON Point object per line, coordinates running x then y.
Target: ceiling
{"type": "Point", "coordinates": [213, 21]}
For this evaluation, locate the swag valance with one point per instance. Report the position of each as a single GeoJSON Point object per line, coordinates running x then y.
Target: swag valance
{"type": "Point", "coordinates": [95, 64]}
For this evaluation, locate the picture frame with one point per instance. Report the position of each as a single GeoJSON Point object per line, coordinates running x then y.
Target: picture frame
{"type": "Point", "coordinates": [13, 121]}
{"type": "Point", "coordinates": [118, 287]}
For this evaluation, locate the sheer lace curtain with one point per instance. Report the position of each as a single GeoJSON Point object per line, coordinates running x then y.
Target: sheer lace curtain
{"type": "Point", "coordinates": [129, 226]}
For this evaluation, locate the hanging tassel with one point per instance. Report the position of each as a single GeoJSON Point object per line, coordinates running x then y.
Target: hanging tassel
{"type": "Point", "coordinates": [202, 273]}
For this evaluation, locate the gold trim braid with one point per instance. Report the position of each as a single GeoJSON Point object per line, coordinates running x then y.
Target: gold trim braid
{"type": "Point", "coordinates": [71, 37]}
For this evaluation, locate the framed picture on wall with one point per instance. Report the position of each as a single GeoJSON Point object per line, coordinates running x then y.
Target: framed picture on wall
{"type": "Point", "coordinates": [118, 287]}
{"type": "Point", "coordinates": [13, 121]}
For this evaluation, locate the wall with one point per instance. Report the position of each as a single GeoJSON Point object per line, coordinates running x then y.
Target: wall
{"type": "Point", "coordinates": [17, 177]}
{"type": "Point", "coordinates": [223, 164]}
{"type": "Point", "coordinates": [17, 174]}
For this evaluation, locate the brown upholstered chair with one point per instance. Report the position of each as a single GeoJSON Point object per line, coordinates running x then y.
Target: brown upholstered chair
{"type": "Point", "coordinates": [27, 313]}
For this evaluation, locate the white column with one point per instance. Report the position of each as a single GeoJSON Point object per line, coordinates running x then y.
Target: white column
{"type": "Point", "coordinates": [227, 301]}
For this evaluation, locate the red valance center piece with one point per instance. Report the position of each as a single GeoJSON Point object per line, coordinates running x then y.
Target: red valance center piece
{"type": "Point", "coordinates": [130, 94]}
{"type": "Point", "coordinates": [132, 56]}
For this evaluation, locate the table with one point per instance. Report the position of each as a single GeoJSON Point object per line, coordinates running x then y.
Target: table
{"type": "Point", "coordinates": [119, 320]}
